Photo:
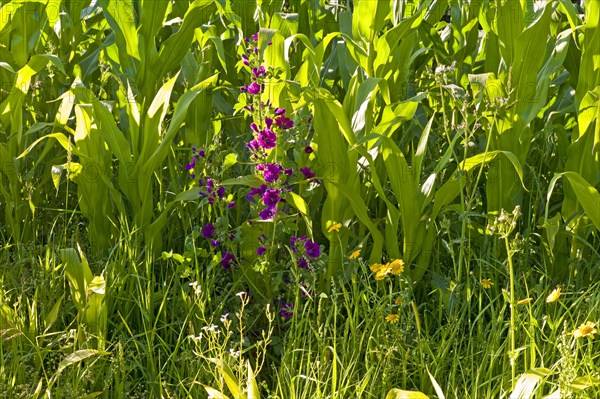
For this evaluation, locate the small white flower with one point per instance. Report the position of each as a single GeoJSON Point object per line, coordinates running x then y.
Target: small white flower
{"type": "Point", "coordinates": [196, 287]}
{"type": "Point", "coordinates": [234, 353]}
{"type": "Point", "coordinates": [225, 317]}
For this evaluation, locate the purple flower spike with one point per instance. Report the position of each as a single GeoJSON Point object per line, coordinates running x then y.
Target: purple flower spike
{"type": "Point", "coordinates": [284, 123]}
{"type": "Point", "coordinates": [268, 213]}
{"type": "Point", "coordinates": [253, 88]}
{"type": "Point", "coordinates": [252, 145]}
{"type": "Point", "coordinates": [308, 174]}
{"type": "Point", "coordinates": [208, 230]}
{"type": "Point", "coordinates": [271, 198]}
{"type": "Point", "coordinates": [267, 139]}
{"type": "Point", "coordinates": [302, 263]}
{"type": "Point", "coordinates": [272, 172]}
{"type": "Point", "coordinates": [261, 250]}
{"type": "Point", "coordinates": [312, 249]}
{"type": "Point", "coordinates": [227, 260]}
{"type": "Point", "coordinates": [286, 310]}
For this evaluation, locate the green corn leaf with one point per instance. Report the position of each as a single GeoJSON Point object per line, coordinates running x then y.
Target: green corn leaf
{"type": "Point", "coordinates": [586, 194]}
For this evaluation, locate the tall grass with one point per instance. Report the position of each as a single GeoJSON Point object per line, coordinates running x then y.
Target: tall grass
{"type": "Point", "coordinates": [426, 123]}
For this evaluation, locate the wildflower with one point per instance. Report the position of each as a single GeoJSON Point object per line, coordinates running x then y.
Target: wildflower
{"type": "Point", "coordinates": [208, 230]}
{"type": "Point", "coordinates": [392, 318]}
{"type": "Point", "coordinates": [355, 254]}
{"type": "Point", "coordinates": [279, 111]}
{"type": "Point", "coordinates": [554, 295]}
{"type": "Point", "coordinates": [258, 72]}
{"type": "Point", "coordinates": [221, 192]}
{"type": "Point", "coordinates": [524, 301]}
{"type": "Point", "coordinates": [334, 227]}
{"type": "Point", "coordinates": [308, 150]}
{"type": "Point", "coordinates": [231, 204]}
{"type": "Point", "coordinates": [288, 171]}
{"type": "Point", "coordinates": [302, 263]}
{"type": "Point", "coordinates": [312, 249]}
{"type": "Point", "coordinates": [486, 283]}
{"type": "Point", "coordinates": [253, 88]}
{"type": "Point", "coordinates": [261, 250]}
{"type": "Point", "coordinates": [225, 318]}
{"type": "Point", "coordinates": [286, 310]}
{"type": "Point", "coordinates": [380, 270]}
{"type": "Point", "coordinates": [271, 172]}
{"type": "Point", "coordinates": [271, 198]}
{"type": "Point", "coordinates": [214, 243]}
{"type": "Point", "coordinates": [308, 174]}
{"type": "Point", "coordinates": [227, 260]}
{"type": "Point", "coordinates": [397, 266]}
{"type": "Point", "coordinates": [196, 287]}
{"type": "Point", "coordinates": [268, 213]}
{"type": "Point", "coordinates": [201, 153]}
{"type": "Point", "coordinates": [284, 122]}
{"type": "Point", "coordinates": [266, 139]}
{"type": "Point", "coordinates": [586, 330]}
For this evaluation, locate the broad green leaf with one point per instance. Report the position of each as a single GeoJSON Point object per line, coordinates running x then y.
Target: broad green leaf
{"type": "Point", "coordinates": [79, 356]}
{"type": "Point", "coordinates": [587, 195]}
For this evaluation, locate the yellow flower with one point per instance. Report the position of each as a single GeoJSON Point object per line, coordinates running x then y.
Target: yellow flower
{"type": "Point", "coordinates": [383, 272]}
{"type": "Point", "coordinates": [355, 254]}
{"type": "Point", "coordinates": [486, 283]}
{"type": "Point", "coordinates": [397, 266]}
{"type": "Point", "coordinates": [375, 267]}
{"type": "Point", "coordinates": [334, 227]}
{"type": "Point", "coordinates": [392, 318]}
{"type": "Point", "coordinates": [554, 295]}
{"type": "Point", "coordinates": [585, 330]}
{"type": "Point", "coordinates": [524, 301]}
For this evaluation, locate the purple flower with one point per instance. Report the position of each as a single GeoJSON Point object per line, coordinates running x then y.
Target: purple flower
{"type": "Point", "coordinates": [279, 111]}
{"type": "Point", "coordinates": [308, 174]}
{"type": "Point", "coordinates": [261, 250]}
{"type": "Point", "coordinates": [272, 172]}
{"type": "Point", "coordinates": [312, 249]}
{"type": "Point", "coordinates": [255, 37]}
{"type": "Point", "coordinates": [308, 149]}
{"type": "Point", "coordinates": [258, 72]}
{"type": "Point", "coordinates": [253, 88]}
{"type": "Point", "coordinates": [208, 230]}
{"type": "Point", "coordinates": [231, 204]}
{"type": "Point", "coordinates": [289, 172]}
{"type": "Point", "coordinates": [302, 263]}
{"type": "Point", "coordinates": [202, 153]}
{"type": "Point", "coordinates": [221, 192]}
{"type": "Point", "coordinates": [214, 243]}
{"type": "Point", "coordinates": [284, 123]}
{"type": "Point", "coordinates": [254, 127]}
{"type": "Point", "coordinates": [286, 310]}
{"type": "Point", "coordinates": [252, 145]}
{"type": "Point", "coordinates": [245, 59]}
{"type": "Point", "coordinates": [256, 191]}
{"type": "Point", "coordinates": [227, 260]}
{"type": "Point", "coordinates": [268, 213]}
{"type": "Point", "coordinates": [271, 198]}
{"type": "Point", "coordinates": [266, 139]}
{"type": "Point", "coordinates": [268, 122]}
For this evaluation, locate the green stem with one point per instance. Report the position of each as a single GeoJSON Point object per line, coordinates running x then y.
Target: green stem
{"type": "Point", "coordinates": [512, 312]}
